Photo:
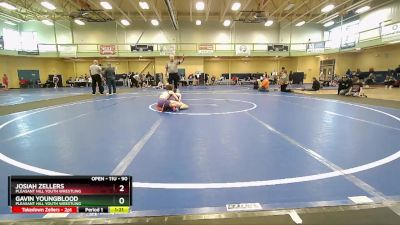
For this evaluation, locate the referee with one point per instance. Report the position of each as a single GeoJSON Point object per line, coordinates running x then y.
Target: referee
{"type": "Point", "coordinates": [172, 70]}
{"type": "Point", "coordinates": [95, 73]}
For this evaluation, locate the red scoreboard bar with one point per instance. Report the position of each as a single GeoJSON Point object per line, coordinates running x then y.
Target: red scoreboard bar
{"type": "Point", "coordinates": [70, 194]}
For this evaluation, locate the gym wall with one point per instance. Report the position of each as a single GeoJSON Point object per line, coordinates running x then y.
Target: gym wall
{"type": "Point", "coordinates": [380, 58]}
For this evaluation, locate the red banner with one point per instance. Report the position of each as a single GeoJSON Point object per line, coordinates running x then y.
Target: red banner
{"type": "Point", "coordinates": [107, 49]}
{"type": "Point", "coordinates": [43, 209]}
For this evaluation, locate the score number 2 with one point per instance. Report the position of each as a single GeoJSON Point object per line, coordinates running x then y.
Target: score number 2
{"type": "Point", "coordinates": [121, 200]}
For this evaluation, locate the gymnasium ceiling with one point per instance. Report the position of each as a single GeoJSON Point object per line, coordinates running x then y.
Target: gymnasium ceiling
{"type": "Point", "coordinates": [292, 11]}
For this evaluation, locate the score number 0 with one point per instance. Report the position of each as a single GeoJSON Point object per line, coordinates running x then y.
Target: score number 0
{"type": "Point", "coordinates": [122, 199]}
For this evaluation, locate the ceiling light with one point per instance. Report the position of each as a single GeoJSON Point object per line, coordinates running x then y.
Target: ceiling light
{"type": "Point", "coordinates": [363, 9]}
{"type": "Point", "coordinates": [154, 22]}
{"type": "Point", "coordinates": [299, 24]}
{"type": "Point", "coordinates": [79, 22]}
{"type": "Point", "coordinates": [227, 23]}
{"type": "Point", "coordinates": [125, 22]}
{"type": "Point", "coordinates": [200, 6]}
{"type": "Point", "coordinates": [48, 22]}
{"type": "Point", "coordinates": [10, 23]}
{"type": "Point", "coordinates": [48, 5]}
{"type": "Point", "coordinates": [144, 5]}
{"type": "Point", "coordinates": [289, 7]}
{"type": "Point", "coordinates": [105, 5]}
{"type": "Point", "coordinates": [7, 6]}
{"type": "Point", "coordinates": [198, 22]}
{"type": "Point", "coordinates": [328, 8]}
{"type": "Point", "coordinates": [328, 24]}
{"type": "Point", "coordinates": [236, 6]}
{"type": "Point", "coordinates": [268, 23]}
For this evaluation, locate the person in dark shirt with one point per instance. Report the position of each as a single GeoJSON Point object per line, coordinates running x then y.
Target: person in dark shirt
{"type": "Point", "coordinates": [315, 85]}
{"type": "Point", "coordinates": [398, 70]}
{"type": "Point", "coordinates": [344, 85]}
{"type": "Point", "coordinates": [109, 73]}
{"type": "Point", "coordinates": [389, 81]}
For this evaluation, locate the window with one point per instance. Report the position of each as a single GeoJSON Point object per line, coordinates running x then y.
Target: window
{"type": "Point", "coordinates": [25, 41]}
{"type": "Point", "coordinates": [29, 41]}
{"type": "Point", "coordinates": [11, 39]}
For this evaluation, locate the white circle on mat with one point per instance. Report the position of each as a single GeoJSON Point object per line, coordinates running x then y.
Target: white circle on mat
{"type": "Point", "coordinates": [251, 107]}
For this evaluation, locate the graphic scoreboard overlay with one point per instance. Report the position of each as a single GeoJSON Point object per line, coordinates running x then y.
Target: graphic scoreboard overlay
{"type": "Point", "coordinates": [70, 194]}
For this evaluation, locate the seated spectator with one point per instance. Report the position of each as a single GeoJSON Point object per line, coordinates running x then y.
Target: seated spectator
{"type": "Point", "coordinates": [344, 85]}
{"type": "Point", "coordinates": [69, 82]}
{"type": "Point", "coordinates": [316, 85]}
{"type": "Point", "coordinates": [264, 86]}
{"type": "Point", "coordinates": [397, 71]}
{"type": "Point", "coordinates": [389, 82]}
{"type": "Point", "coordinates": [356, 89]}
{"type": "Point", "coordinates": [212, 80]}
{"type": "Point", "coordinates": [235, 80]}
{"type": "Point", "coordinates": [256, 84]}
{"type": "Point", "coordinates": [160, 85]}
{"type": "Point", "coordinates": [190, 78]}
{"type": "Point", "coordinates": [39, 83]}
{"type": "Point", "coordinates": [370, 80]}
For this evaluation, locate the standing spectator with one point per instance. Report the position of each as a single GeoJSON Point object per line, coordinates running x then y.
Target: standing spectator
{"type": "Point", "coordinates": [55, 81]}
{"type": "Point", "coordinates": [172, 70]}
{"type": "Point", "coordinates": [124, 79]}
{"type": "Point", "coordinates": [5, 81]}
{"type": "Point", "coordinates": [284, 80]}
{"type": "Point", "coordinates": [95, 73]}
{"type": "Point", "coordinates": [109, 73]}
{"type": "Point", "coordinates": [134, 80]}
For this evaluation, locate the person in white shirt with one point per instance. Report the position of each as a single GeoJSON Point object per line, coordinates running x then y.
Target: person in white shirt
{"type": "Point", "coordinates": [170, 101]}
{"type": "Point", "coordinates": [55, 81]}
{"type": "Point", "coordinates": [96, 75]}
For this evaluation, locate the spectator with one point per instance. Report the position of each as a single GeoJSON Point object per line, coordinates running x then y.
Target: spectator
{"type": "Point", "coordinates": [370, 79]}
{"type": "Point", "coordinates": [398, 71]}
{"type": "Point", "coordinates": [110, 78]}
{"type": "Point", "coordinates": [356, 89]}
{"type": "Point", "coordinates": [284, 80]}
{"type": "Point", "coordinates": [190, 78]}
{"type": "Point", "coordinates": [235, 80]}
{"type": "Point", "coordinates": [96, 74]}
{"type": "Point", "coordinates": [315, 85]}
{"type": "Point", "coordinates": [344, 85]}
{"type": "Point", "coordinates": [264, 85]}
{"type": "Point", "coordinates": [389, 81]}
{"type": "Point", "coordinates": [348, 73]}
{"type": "Point", "coordinates": [256, 84]}
{"type": "Point", "coordinates": [39, 83]}
{"type": "Point", "coordinates": [55, 81]}
{"type": "Point", "coordinates": [5, 81]}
